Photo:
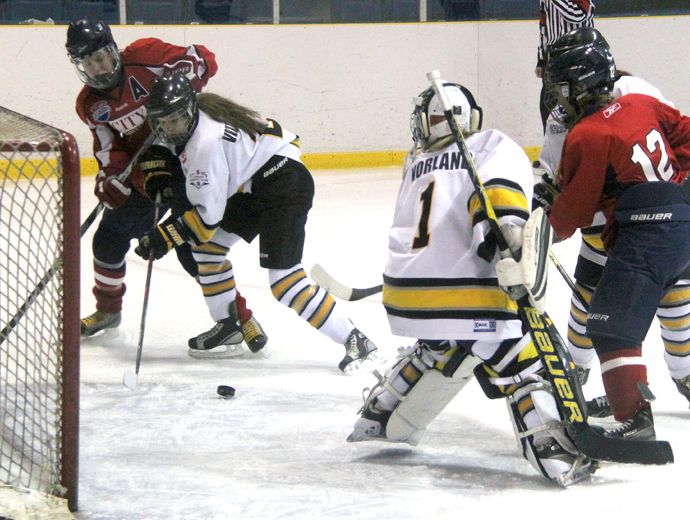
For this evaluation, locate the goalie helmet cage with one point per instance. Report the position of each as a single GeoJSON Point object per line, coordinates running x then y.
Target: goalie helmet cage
{"type": "Point", "coordinates": [39, 309]}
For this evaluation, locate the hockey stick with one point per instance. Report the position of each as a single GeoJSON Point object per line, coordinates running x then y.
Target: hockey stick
{"type": "Point", "coordinates": [569, 281]}
{"type": "Point", "coordinates": [340, 290]}
{"type": "Point", "coordinates": [123, 176]}
{"type": "Point", "coordinates": [130, 379]}
{"type": "Point", "coordinates": [554, 356]}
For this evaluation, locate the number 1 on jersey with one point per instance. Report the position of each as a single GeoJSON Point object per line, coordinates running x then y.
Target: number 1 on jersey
{"type": "Point", "coordinates": [422, 238]}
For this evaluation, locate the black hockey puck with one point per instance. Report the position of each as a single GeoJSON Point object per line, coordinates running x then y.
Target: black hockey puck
{"type": "Point", "coordinates": [225, 391]}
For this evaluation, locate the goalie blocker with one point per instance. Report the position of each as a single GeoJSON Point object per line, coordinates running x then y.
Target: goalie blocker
{"type": "Point", "coordinates": [527, 272]}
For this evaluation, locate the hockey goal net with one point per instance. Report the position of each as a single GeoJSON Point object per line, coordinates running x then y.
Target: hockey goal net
{"type": "Point", "coordinates": [39, 312]}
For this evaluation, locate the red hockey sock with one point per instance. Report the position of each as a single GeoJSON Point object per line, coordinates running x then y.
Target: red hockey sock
{"type": "Point", "coordinates": [244, 312]}
{"type": "Point", "coordinates": [621, 371]}
{"type": "Point", "coordinates": [109, 288]}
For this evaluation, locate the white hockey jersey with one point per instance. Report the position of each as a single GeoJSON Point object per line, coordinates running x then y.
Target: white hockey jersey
{"type": "Point", "coordinates": [219, 161]}
{"type": "Point", "coordinates": [435, 284]}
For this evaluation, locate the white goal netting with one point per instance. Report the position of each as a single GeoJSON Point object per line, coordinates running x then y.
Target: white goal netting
{"type": "Point", "coordinates": [38, 306]}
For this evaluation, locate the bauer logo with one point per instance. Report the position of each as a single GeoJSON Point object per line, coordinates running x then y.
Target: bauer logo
{"type": "Point", "coordinates": [198, 179]}
{"type": "Point", "coordinates": [484, 325]}
{"type": "Point", "coordinates": [101, 111]}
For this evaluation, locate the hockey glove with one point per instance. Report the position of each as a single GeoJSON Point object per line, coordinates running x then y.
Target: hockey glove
{"type": "Point", "coordinates": [112, 192]}
{"type": "Point", "coordinates": [171, 233]}
{"type": "Point", "coordinates": [158, 166]}
{"type": "Point", "coordinates": [545, 192]}
{"type": "Point", "coordinates": [529, 272]}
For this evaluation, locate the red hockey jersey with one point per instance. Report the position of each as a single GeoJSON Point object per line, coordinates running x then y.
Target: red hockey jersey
{"type": "Point", "coordinates": [634, 139]}
{"type": "Point", "coordinates": [117, 118]}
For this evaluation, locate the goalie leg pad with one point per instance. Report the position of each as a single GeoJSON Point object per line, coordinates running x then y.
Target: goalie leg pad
{"type": "Point", "coordinates": [542, 437]}
{"type": "Point", "coordinates": [412, 393]}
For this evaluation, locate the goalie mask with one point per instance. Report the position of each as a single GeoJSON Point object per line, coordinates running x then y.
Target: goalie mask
{"type": "Point", "coordinates": [580, 80]}
{"type": "Point", "coordinates": [428, 123]}
{"type": "Point", "coordinates": [172, 110]}
{"type": "Point", "coordinates": [93, 53]}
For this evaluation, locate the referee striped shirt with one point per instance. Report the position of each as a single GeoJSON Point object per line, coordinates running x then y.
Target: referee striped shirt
{"type": "Point", "coordinates": [557, 17]}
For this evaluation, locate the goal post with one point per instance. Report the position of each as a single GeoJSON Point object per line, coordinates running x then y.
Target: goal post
{"type": "Point", "coordinates": [39, 308]}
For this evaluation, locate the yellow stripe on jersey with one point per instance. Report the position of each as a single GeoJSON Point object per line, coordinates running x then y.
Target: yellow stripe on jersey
{"type": "Point", "coordinates": [506, 199]}
{"type": "Point", "coordinates": [452, 298]}
{"type": "Point", "coordinates": [202, 232]}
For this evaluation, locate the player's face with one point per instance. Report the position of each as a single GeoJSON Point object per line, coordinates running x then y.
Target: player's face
{"type": "Point", "coordinates": [174, 128]}
{"type": "Point", "coordinates": [100, 69]}
{"type": "Point", "coordinates": [100, 62]}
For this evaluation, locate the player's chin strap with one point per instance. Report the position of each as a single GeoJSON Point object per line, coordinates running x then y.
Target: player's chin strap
{"type": "Point", "coordinates": [560, 369]}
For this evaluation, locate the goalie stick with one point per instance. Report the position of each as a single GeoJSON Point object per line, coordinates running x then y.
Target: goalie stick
{"type": "Point", "coordinates": [555, 357]}
{"type": "Point", "coordinates": [340, 290]}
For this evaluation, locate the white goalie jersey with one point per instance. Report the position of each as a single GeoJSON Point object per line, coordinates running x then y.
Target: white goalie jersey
{"type": "Point", "coordinates": [436, 286]}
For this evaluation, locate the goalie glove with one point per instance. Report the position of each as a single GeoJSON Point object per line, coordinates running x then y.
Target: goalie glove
{"type": "Point", "coordinates": [528, 273]}
{"type": "Point", "coordinates": [112, 192]}
{"type": "Point", "coordinates": [158, 166]}
{"type": "Point", "coordinates": [544, 194]}
{"type": "Point", "coordinates": [171, 233]}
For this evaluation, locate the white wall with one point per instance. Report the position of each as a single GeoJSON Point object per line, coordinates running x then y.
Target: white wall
{"type": "Point", "coordinates": [349, 87]}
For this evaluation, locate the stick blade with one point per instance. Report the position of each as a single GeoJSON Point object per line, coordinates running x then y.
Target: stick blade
{"type": "Point", "coordinates": [627, 451]}
{"type": "Point", "coordinates": [130, 380]}
{"type": "Point", "coordinates": [325, 280]}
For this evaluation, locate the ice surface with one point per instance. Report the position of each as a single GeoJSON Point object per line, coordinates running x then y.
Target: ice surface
{"type": "Point", "coordinates": [173, 449]}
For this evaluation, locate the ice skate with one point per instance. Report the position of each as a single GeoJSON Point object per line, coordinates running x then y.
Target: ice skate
{"type": "Point", "coordinates": [223, 340]}
{"type": "Point", "coordinates": [367, 430]}
{"type": "Point", "coordinates": [99, 321]}
{"type": "Point", "coordinates": [639, 427]}
{"type": "Point", "coordinates": [570, 468]}
{"type": "Point", "coordinates": [683, 386]}
{"type": "Point", "coordinates": [254, 335]}
{"type": "Point", "coordinates": [599, 407]}
{"type": "Point", "coordinates": [360, 354]}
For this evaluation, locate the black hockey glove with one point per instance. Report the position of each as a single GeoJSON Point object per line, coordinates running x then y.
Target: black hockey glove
{"type": "Point", "coordinates": [545, 192]}
{"type": "Point", "coordinates": [159, 166]}
{"type": "Point", "coordinates": [171, 233]}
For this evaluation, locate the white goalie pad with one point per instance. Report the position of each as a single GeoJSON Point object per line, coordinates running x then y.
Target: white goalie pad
{"type": "Point", "coordinates": [531, 270]}
{"type": "Point", "coordinates": [425, 401]}
{"type": "Point", "coordinates": [543, 439]}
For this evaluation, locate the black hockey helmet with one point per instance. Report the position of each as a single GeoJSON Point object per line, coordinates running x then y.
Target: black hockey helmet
{"type": "Point", "coordinates": [172, 110]}
{"type": "Point", "coordinates": [580, 37]}
{"type": "Point", "coordinates": [92, 50]}
{"type": "Point", "coordinates": [579, 80]}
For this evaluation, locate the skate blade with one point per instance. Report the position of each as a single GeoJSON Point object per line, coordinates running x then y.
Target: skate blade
{"type": "Point", "coordinates": [103, 334]}
{"type": "Point", "coordinates": [219, 352]}
{"type": "Point", "coordinates": [582, 469]}
{"type": "Point", "coordinates": [365, 366]}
